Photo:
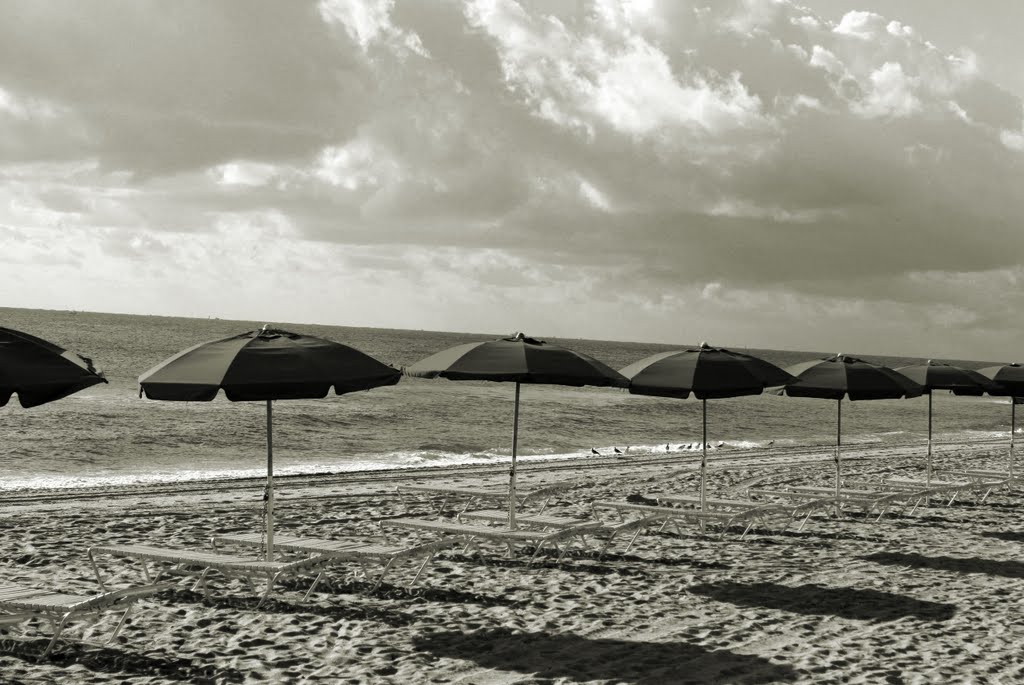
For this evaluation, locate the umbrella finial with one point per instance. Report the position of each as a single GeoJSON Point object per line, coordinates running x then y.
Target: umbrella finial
{"type": "Point", "coordinates": [704, 345]}
{"type": "Point", "coordinates": [519, 335]}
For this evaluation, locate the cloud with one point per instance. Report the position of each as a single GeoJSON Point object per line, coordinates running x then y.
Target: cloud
{"type": "Point", "coordinates": [745, 165]}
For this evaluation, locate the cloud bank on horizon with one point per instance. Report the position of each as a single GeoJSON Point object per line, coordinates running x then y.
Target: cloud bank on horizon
{"type": "Point", "coordinates": [749, 173]}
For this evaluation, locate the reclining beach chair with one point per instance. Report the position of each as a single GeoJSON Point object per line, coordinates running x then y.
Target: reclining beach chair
{"type": "Point", "coordinates": [364, 554]}
{"type": "Point", "coordinates": [868, 501]}
{"type": "Point", "coordinates": [750, 511]}
{"type": "Point", "coordinates": [472, 495]}
{"type": "Point", "coordinates": [59, 609]}
{"type": "Point", "coordinates": [797, 503]}
{"type": "Point", "coordinates": [914, 492]}
{"type": "Point", "coordinates": [246, 568]}
{"type": "Point", "coordinates": [634, 518]}
{"type": "Point", "coordinates": [470, 534]}
{"type": "Point", "coordinates": [959, 482]}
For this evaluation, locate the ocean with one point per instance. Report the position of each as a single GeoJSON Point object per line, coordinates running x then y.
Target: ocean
{"type": "Point", "coordinates": [107, 435]}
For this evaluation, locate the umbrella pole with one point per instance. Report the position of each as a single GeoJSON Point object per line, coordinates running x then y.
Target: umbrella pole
{"type": "Point", "coordinates": [929, 467]}
{"type": "Point", "coordinates": [839, 432]}
{"type": "Point", "coordinates": [1013, 421]}
{"type": "Point", "coordinates": [270, 480]}
{"type": "Point", "coordinates": [704, 459]}
{"type": "Point", "coordinates": [512, 471]}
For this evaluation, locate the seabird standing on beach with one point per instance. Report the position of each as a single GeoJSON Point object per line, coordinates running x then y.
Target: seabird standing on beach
{"type": "Point", "coordinates": [594, 451]}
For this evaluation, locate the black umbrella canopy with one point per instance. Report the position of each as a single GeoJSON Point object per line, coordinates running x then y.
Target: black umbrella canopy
{"type": "Point", "coordinates": [265, 365]}
{"type": "Point", "coordinates": [39, 371]}
{"type": "Point", "coordinates": [268, 364]}
{"type": "Point", "coordinates": [517, 359]}
{"type": "Point", "coordinates": [938, 376]}
{"type": "Point", "coordinates": [1010, 378]}
{"type": "Point", "coordinates": [934, 375]}
{"type": "Point", "coordinates": [834, 378]}
{"type": "Point", "coordinates": [707, 372]}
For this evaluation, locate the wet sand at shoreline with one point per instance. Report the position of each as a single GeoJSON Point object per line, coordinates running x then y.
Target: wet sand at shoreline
{"type": "Point", "coordinates": [930, 596]}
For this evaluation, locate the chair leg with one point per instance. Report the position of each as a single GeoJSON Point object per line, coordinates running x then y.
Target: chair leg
{"type": "Point", "coordinates": [427, 559]}
{"type": "Point", "coordinates": [96, 570]}
{"type": "Point", "coordinates": [58, 629]}
{"type": "Point", "coordinates": [313, 586]}
{"type": "Point", "coordinates": [120, 624]}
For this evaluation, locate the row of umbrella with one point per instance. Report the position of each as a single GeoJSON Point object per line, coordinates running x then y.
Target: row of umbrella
{"type": "Point", "coordinates": [270, 364]}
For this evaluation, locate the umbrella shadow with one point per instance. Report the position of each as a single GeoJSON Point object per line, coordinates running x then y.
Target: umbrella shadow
{"type": "Point", "coordinates": [578, 658]}
{"type": "Point", "coordinates": [991, 567]}
{"type": "Point", "coordinates": [842, 602]}
{"type": "Point", "coordinates": [118, 662]}
{"type": "Point", "coordinates": [1008, 535]}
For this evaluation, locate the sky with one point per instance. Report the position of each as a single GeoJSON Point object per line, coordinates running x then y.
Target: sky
{"type": "Point", "coordinates": [839, 175]}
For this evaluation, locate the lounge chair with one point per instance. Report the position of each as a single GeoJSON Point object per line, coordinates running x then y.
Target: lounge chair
{"type": "Point", "coordinates": [633, 518]}
{"type": "Point", "coordinates": [799, 504]}
{"type": "Point", "coordinates": [233, 566]}
{"type": "Point", "coordinates": [914, 492]}
{"type": "Point", "coordinates": [470, 534]}
{"type": "Point", "coordinates": [471, 495]}
{"type": "Point", "coordinates": [959, 482]}
{"type": "Point", "coordinates": [59, 608]}
{"type": "Point", "coordinates": [363, 553]}
{"type": "Point", "coordinates": [868, 501]}
{"type": "Point", "coordinates": [500, 516]}
{"type": "Point", "coordinates": [751, 511]}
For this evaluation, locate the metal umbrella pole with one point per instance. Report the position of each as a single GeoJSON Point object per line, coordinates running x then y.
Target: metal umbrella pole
{"type": "Point", "coordinates": [270, 480]}
{"type": "Point", "coordinates": [839, 443]}
{"type": "Point", "coordinates": [512, 471]}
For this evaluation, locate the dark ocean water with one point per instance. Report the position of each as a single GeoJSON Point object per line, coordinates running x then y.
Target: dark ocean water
{"type": "Point", "coordinates": [107, 434]}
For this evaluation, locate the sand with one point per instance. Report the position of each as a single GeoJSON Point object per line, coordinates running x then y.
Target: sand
{"type": "Point", "coordinates": [932, 596]}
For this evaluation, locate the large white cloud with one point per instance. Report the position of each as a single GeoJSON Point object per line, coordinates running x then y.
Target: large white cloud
{"type": "Point", "coordinates": [741, 166]}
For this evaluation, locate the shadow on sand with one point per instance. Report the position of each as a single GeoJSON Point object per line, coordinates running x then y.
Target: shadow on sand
{"type": "Point", "coordinates": [548, 655]}
{"type": "Point", "coordinates": [123, 663]}
{"type": "Point", "coordinates": [843, 602]}
{"type": "Point", "coordinates": [1006, 569]}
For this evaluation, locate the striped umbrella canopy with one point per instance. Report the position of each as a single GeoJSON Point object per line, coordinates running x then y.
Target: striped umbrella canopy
{"type": "Point", "coordinates": [708, 373]}
{"type": "Point", "coordinates": [834, 378]}
{"type": "Point", "coordinates": [938, 376]}
{"type": "Point", "coordinates": [39, 371]}
{"type": "Point", "coordinates": [1010, 378]}
{"type": "Point", "coordinates": [518, 359]}
{"type": "Point", "coordinates": [265, 365]}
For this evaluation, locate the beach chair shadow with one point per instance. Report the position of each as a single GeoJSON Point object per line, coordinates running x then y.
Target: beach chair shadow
{"type": "Point", "coordinates": [1008, 535]}
{"type": "Point", "coordinates": [120, 664]}
{"type": "Point", "coordinates": [842, 602]}
{"type": "Point", "coordinates": [60, 609]}
{"type": "Point", "coordinates": [991, 567]}
{"type": "Point", "coordinates": [582, 659]}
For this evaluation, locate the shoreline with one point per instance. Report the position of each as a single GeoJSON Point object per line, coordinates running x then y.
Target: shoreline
{"type": "Point", "coordinates": [904, 599]}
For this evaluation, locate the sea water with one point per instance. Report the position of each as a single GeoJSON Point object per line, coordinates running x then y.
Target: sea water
{"type": "Point", "coordinates": [108, 435]}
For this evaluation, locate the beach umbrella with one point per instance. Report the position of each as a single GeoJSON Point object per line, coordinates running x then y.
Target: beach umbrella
{"type": "Point", "coordinates": [834, 378]}
{"type": "Point", "coordinates": [708, 373]}
{"type": "Point", "coordinates": [518, 359]}
{"type": "Point", "coordinates": [265, 365]}
{"type": "Point", "coordinates": [1010, 378]}
{"type": "Point", "coordinates": [39, 371]}
{"type": "Point", "coordinates": [938, 376]}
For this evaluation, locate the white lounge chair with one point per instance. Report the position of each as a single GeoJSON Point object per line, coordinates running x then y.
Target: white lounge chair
{"type": "Point", "coordinates": [470, 534]}
{"type": "Point", "coordinates": [495, 493]}
{"type": "Point", "coordinates": [233, 566]}
{"type": "Point", "coordinates": [363, 553]}
{"type": "Point", "coordinates": [60, 608]}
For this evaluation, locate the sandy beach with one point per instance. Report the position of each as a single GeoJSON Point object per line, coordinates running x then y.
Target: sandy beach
{"type": "Point", "coordinates": [925, 597]}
